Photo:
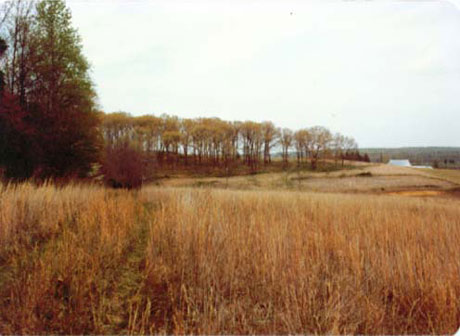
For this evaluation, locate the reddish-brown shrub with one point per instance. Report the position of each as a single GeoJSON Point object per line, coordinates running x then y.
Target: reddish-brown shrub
{"type": "Point", "coordinates": [123, 166]}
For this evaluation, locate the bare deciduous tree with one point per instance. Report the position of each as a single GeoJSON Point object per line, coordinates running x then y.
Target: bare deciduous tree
{"type": "Point", "coordinates": [286, 137]}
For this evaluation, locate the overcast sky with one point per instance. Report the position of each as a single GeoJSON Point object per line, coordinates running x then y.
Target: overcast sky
{"type": "Point", "coordinates": [384, 72]}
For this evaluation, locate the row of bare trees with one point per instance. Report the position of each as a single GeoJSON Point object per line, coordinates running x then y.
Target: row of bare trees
{"type": "Point", "coordinates": [212, 141]}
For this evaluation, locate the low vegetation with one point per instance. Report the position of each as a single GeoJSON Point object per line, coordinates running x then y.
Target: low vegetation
{"type": "Point", "coordinates": [374, 179]}
{"type": "Point", "coordinates": [450, 175]}
{"type": "Point", "coordinates": [84, 259]}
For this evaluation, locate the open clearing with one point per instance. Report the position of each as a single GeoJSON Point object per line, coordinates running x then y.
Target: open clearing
{"type": "Point", "coordinates": [363, 179]}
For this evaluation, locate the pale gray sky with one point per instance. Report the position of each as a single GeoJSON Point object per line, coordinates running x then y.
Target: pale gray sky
{"type": "Point", "coordinates": [385, 72]}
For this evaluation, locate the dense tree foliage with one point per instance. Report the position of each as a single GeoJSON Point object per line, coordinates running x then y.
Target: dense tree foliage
{"type": "Point", "coordinates": [50, 126]}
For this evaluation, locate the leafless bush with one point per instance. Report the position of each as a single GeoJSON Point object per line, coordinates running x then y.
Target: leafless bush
{"type": "Point", "coordinates": [123, 167]}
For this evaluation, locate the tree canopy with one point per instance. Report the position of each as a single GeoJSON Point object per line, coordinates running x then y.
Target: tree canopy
{"type": "Point", "coordinates": [47, 71]}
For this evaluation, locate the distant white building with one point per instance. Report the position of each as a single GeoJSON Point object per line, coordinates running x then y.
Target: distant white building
{"type": "Point", "coordinates": [406, 163]}
{"type": "Point", "coordinates": [400, 163]}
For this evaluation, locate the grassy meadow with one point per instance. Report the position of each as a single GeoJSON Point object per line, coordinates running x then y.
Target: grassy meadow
{"type": "Point", "coordinates": [170, 219]}
{"type": "Point", "coordinates": [86, 259]}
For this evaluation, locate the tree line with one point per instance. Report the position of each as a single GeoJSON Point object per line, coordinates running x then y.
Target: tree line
{"type": "Point", "coordinates": [169, 140]}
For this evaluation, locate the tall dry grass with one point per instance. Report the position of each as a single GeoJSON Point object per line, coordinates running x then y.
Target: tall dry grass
{"type": "Point", "coordinates": [82, 259]}
{"type": "Point", "coordinates": [252, 262]}
{"type": "Point", "coordinates": [61, 251]}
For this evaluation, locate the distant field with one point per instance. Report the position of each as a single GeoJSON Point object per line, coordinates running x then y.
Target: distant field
{"type": "Point", "coordinates": [82, 259]}
{"type": "Point", "coordinates": [368, 178]}
{"type": "Point", "coordinates": [445, 174]}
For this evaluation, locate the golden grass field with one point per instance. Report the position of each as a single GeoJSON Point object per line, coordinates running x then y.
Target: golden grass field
{"type": "Point", "coordinates": [365, 178]}
{"type": "Point", "coordinates": [273, 260]}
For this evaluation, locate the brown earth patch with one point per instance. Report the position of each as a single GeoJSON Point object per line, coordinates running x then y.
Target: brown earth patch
{"type": "Point", "coordinates": [418, 193]}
